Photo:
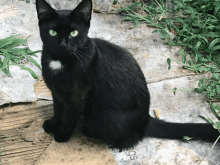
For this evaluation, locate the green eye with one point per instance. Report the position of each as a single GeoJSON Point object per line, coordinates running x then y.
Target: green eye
{"type": "Point", "coordinates": [52, 32]}
{"type": "Point", "coordinates": [74, 33]}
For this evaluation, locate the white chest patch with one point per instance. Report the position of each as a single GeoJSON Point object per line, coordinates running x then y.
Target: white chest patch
{"type": "Point", "coordinates": [54, 65]}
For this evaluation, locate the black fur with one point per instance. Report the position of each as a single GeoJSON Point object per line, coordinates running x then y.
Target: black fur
{"type": "Point", "coordinates": [100, 81]}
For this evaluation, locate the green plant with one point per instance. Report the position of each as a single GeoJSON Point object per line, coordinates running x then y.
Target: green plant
{"type": "Point", "coordinates": [196, 25]}
{"type": "Point", "coordinates": [197, 28]}
{"type": "Point", "coordinates": [12, 55]}
{"type": "Point", "coordinates": [27, 1]}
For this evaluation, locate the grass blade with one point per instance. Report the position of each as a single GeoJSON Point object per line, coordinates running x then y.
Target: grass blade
{"type": "Point", "coordinates": [33, 61]}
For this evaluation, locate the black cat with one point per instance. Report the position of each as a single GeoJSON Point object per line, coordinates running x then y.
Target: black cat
{"type": "Point", "coordinates": [101, 81]}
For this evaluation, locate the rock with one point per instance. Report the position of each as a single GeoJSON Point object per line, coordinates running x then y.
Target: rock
{"type": "Point", "coordinates": [35, 132]}
{"type": "Point", "coordinates": [99, 6]}
{"type": "Point", "coordinates": [17, 89]}
{"type": "Point", "coordinates": [102, 5]}
{"type": "Point", "coordinates": [17, 20]}
{"type": "Point", "coordinates": [168, 153]}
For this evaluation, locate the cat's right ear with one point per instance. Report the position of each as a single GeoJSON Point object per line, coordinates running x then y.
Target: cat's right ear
{"type": "Point", "coordinates": [44, 10]}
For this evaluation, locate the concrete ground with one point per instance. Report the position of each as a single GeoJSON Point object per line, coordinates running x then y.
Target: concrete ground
{"type": "Point", "coordinates": [16, 122]}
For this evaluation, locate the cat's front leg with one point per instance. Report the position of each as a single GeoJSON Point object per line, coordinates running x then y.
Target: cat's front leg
{"type": "Point", "coordinates": [71, 115]}
{"type": "Point", "coordinates": [52, 124]}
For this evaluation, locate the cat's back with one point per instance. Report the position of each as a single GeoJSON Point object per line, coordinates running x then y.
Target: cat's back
{"type": "Point", "coordinates": [110, 50]}
{"type": "Point", "coordinates": [115, 59]}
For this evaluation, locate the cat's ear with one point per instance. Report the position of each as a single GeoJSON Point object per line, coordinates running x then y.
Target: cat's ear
{"type": "Point", "coordinates": [44, 10]}
{"type": "Point", "coordinates": [83, 11]}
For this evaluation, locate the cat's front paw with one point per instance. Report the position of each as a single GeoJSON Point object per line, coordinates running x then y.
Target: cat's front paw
{"type": "Point", "coordinates": [59, 136]}
{"type": "Point", "coordinates": [49, 126]}
{"type": "Point", "coordinates": [85, 132]}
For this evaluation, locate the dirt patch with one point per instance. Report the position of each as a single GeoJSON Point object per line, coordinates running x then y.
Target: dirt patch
{"type": "Point", "coordinates": [35, 132]}
{"type": "Point", "coordinates": [23, 140]}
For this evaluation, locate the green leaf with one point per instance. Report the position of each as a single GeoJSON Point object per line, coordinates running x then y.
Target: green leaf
{"type": "Point", "coordinates": [218, 89]}
{"type": "Point", "coordinates": [181, 52]}
{"type": "Point", "coordinates": [202, 68]}
{"type": "Point", "coordinates": [155, 31]}
{"type": "Point", "coordinates": [6, 67]}
{"type": "Point", "coordinates": [30, 71]}
{"type": "Point", "coordinates": [174, 90]}
{"type": "Point", "coordinates": [169, 24]}
{"type": "Point", "coordinates": [201, 84]}
{"type": "Point", "coordinates": [172, 43]}
{"type": "Point", "coordinates": [1, 63]}
{"type": "Point", "coordinates": [216, 48]}
{"type": "Point", "coordinates": [18, 50]}
{"type": "Point", "coordinates": [187, 138]}
{"type": "Point", "coordinates": [212, 44]}
{"type": "Point", "coordinates": [217, 7]}
{"type": "Point", "coordinates": [33, 53]}
{"type": "Point", "coordinates": [128, 18]}
{"type": "Point", "coordinates": [213, 110]}
{"type": "Point", "coordinates": [136, 22]}
{"type": "Point", "coordinates": [16, 42]}
{"type": "Point", "coordinates": [134, 5]}
{"type": "Point", "coordinates": [27, 69]}
{"type": "Point", "coordinates": [7, 72]}
{"type": "Point", "coordinates": [178, 20]}
{"type": "Point", "coordinates": [33, 61]}
{"type": "Point", "coordinates": [197, 57]}
{"type": "Point", "coordinates": [207, 119]}
{"type": "Point", "coordinates": [196, 47]}
{"type": "Point", "coordinates": [6, 41]}
{"type": "Point", "coordinates": [169, 63]}
{"type": "Point", "coordinates": [201, 87]}
{"type": "Point", "coordinates": [115, 2]}
{"type": "Point", "coordinates": [184, 58]}
{"type": "Point", "coordinates": [217, 125]}
{"type": "Point", "coordinates": [217, 107]}
{"type": "Point", "coordinates": [215, 76]}
{"type": "Point", "coordinates": [164, 34]}
{"type": "Point", "coordinates": [216, 58]}
{"type": "Point", "coordinates": [6, 62]}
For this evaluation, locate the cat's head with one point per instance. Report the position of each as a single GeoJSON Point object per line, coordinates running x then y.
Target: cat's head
{"type": "Point", "coordinates": [63, 31]}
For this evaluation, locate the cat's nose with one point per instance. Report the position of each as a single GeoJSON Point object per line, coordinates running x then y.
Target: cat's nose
{"type": "Point", "coordinates": [63, 44]}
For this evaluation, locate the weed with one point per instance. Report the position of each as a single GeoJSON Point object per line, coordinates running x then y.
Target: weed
{"type": "Point", "coordinates": [197, 28]}
{"type": "Point", "coordinates": [27, 1]}
{"type": "Point", "coordinates": [196, 25]}
{"type": "Point", "coordinates": [12, 55]}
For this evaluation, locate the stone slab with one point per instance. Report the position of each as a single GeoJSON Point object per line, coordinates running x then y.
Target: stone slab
{"type": "Point", "coordinates": [147, 47]}
{"type": "Point", "coordinates": [181, 108]}
{"type": "Point", "coordinates": [79, 150]}
{"type": "Point", "coordinates": [22, 139]}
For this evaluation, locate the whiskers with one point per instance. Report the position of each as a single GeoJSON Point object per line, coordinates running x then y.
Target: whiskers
{"type": "Point", "coordinates": [79, 58]}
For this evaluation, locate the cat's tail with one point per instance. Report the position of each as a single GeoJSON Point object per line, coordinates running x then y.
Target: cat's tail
{"type": "Point", "coordinates": [161, 129]}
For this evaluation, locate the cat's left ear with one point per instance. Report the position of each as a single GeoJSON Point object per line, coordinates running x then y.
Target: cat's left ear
{"type": "Point", "coordinates": [83, 11]}
{"type": "Point", "coordinates": [44, 10]}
